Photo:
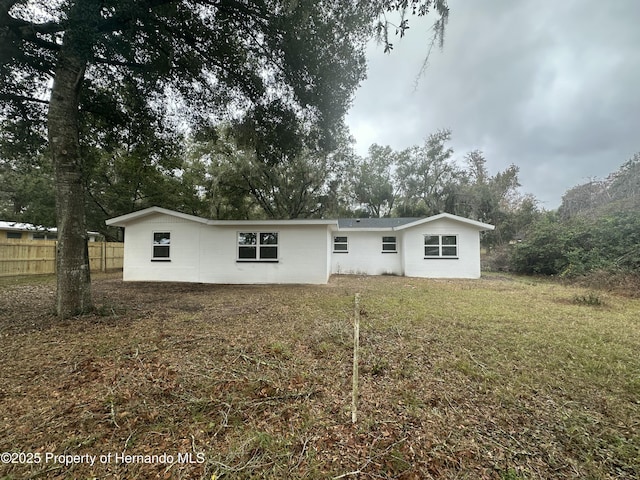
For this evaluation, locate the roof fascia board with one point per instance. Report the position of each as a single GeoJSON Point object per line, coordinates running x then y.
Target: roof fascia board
{"type": "Point", "coordinates": [122, 220]}
{"type": "Point", "coordinates": [130, 217]}
{"type": "Point", "coordinates": [449, 216]}
{"type": "Point", "coordinates": [241, 223]}
{"type": "Point", "coordinates": [367, 229]}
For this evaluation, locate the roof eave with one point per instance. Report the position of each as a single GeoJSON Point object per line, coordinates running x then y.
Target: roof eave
{"type": "Point", "coordinates": [123, 220]}
{"type": "Point", "coordinates": [242, 223]}
{"type": "Point", "coordinates": [449, 216]}
{"type": "Point", "coordinates": [367, 229]}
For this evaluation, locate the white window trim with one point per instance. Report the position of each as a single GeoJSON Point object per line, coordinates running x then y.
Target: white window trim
{"type": "Point", "coordinates": [346, 242]}
{"type": "Point", "coordinates": [161, 259]}
{"type": "Point", "coordinates": [257, 245]}
{"type": "Point", "coordinates": [394, 243]}
{"type": "Point", "coordinates": [440, 245]}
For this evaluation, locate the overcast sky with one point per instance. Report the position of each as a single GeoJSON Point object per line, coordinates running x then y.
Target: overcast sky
{"type": "Point", "coordinates": [551, 86]}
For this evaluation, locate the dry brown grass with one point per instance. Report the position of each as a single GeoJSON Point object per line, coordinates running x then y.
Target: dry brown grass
{"type": "Point", "coordinates": [501, 378]}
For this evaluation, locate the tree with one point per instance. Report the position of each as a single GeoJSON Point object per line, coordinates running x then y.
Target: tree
{"type": "Point", "coordinates": [623, 186]}
{"type": "Point", "coordinates": [583, 198]}
{"type": "Point", "coordinates": [428, 177]}
{"type": "Point", "coordinates": [236, 175]}
{"type": "Point", "coordinates": [204, 54]}
{"type": "Point", "coordinates": [373, 184]}
{"type": "Point", "coordinates": [26, 190]}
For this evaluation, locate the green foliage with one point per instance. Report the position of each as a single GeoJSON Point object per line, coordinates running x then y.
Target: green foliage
{"type": "Point", "coordinates": [26, 191]}
{"type": "Point", "coordinates": [620, 191]}
{"type": "Point", "coordinates": [234, 177]}
{"type": "Point", "coordinates": [373, 185]}
{"type": "Point", "coordinates": [427, 177]}
{"type": "Point", "coordinates": [580, 246]}
{"type": "Point", "coordinates": [592, 299]}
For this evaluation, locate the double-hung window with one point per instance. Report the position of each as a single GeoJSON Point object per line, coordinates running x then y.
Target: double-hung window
{"type": "Point", "coordinates": [389, 245]}
{"type": "Point", "coordinates": [440, 246]}
{"type": "Point", "coordinates": [258, 246]}
{"type": "Point", "coordinates": [161, 246]}
{"type": "Point", "coordinates": [341, 244]}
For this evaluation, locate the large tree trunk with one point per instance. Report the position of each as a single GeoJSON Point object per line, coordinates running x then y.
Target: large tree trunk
{"type": "Point", "coordinates": [74, 282]}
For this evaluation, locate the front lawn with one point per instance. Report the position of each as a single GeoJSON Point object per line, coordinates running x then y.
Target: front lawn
{"type": "Point", "coordinates": [499, 378]}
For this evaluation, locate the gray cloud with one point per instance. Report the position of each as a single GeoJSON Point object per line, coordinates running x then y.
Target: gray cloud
{"type": "Point", "coordinates": [551, 86]}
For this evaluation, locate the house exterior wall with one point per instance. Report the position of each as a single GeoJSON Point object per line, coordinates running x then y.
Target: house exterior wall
{"type": "Point", "coordinates": [465, 265]}
{"type": "Point", "coordinates": [301, 256]}
{"type": "Point", "coordinates": [209, 254]}
{"type": "Point", "coordinates": [184, 250]}
{"type": "Point", "coordinates": [204, 251]}
{"type": "Point", "coordinates": [364, 255]}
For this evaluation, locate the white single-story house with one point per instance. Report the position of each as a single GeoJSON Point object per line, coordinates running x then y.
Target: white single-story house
{"type": "Point", "coordinates": [164, 245]}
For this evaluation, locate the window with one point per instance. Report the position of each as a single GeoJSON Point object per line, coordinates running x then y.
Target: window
{"type": "Point", "coordinates": [258, 246]}
{"type": "Point", "coordinates": [14, 235]}
{"type": "Point", "coordinates": [440, 246]}
{"type": "Point", "coordinates": [45, 236]}
{"type": "Point", "coordinates": [340, 244]}
{"type": "Point", "coordinates": [161, 246]}
{"type": "Point", "coordinates": [389, 245]}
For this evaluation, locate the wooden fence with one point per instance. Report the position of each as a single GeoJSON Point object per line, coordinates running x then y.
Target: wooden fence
{"type": "Point", "coordinates": [38, 257]}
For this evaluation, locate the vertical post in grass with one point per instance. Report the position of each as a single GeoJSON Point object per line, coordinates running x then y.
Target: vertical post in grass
{"type": "Point", "coordinates": [356, 348]}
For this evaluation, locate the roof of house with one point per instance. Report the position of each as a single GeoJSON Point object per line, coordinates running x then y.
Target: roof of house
{"type": "Point", "coordinates": [375, 222]}
{"type": "Point", "coordinates": [122, 220]}
{"type": "Point", "coordinates": [346, 224]}
{"type": "Point", "coordinates": [24, 227]}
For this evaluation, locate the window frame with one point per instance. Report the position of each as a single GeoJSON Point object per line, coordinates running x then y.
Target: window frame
{"type": "Point", "coordinates": [259, 246]}
{"type": "Point", "coordinates": [388, 243]}
{"type": "Point", "coordinates": [345, 243]}
{"type": "Point", "coordinates": [44, 236]}
{"type": "Point", "coordinates": [14, 235]}
{"type": "Point", "coordinates": [159, 258]}
{"type": "Point", "coordinates": [441, 245]}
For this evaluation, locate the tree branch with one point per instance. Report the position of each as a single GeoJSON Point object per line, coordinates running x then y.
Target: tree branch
{"type": "Point", "coordinates": [22, 98]}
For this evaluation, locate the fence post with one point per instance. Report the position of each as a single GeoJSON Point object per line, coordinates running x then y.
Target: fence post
{"type": "Point", "coordinates": [103, 257]}
{"type": "Point", "coordinates": [356, 354]}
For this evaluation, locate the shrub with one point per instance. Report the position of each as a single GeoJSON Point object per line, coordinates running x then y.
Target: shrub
{"type": "Point", "coordinates": [580, 245]}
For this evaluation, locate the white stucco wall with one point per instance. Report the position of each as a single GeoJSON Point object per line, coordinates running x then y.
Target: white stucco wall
{"type": "Point", "coordinates": [466, 265]}
{"type": "Point", "coordinates": [208, 254]}
{"type": "Point", "coordinates": [365, 256]}
{"type": "Point", "coordinates": [302, 256]}
{"type": "Point", "coordinates": [138, 250]}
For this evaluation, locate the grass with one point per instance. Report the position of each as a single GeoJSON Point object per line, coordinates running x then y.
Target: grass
{"type": "Point", "coordinates": [500, 378]}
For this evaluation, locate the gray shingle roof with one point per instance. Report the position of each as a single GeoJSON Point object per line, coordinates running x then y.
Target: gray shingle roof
{"type": "Point", "coordinates": [374, 222]}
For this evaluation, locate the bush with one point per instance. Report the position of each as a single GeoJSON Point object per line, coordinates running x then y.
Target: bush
{"type": "Point", "coordinates": [580, 245]}
{"type": "Point", "coordinates": [498, 259]}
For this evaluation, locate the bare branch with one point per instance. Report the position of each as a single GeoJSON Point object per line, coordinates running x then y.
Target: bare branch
{"type": "Point", "coordinates": [21, 98]}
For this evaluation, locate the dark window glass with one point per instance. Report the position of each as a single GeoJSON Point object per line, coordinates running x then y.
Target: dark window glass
{"type": "Point", "coordinates": [431, 240]}
{"type": "Point", "coordinates": [270, 253]}
{"type": "Point", "coordinates": [340, 244]}
{"type": "Point", "coordinates": [431, 251]}
{"type": "Point", "coordinates": [247, 252]}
